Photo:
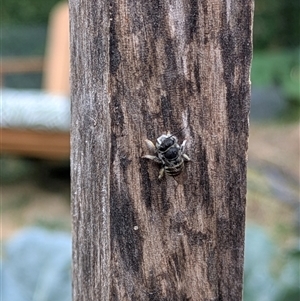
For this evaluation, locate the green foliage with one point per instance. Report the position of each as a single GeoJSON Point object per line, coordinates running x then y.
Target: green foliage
{"type": "Point", "coordinates": [26, 12]}
{"type": "Point", "coordinates": [280, 69]}
{"type": "Point", "coordinates": [14, 170]}
{"type": "Point", "coordinates": [23, 40]}
{"type": "Point", "coordinates": [276, 24]}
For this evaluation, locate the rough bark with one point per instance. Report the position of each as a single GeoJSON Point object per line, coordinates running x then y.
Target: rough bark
{"type": "Point", "coordinates": [139, 69]}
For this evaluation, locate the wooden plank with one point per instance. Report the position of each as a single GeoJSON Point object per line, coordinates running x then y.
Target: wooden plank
{"type": "Point", "coordinates": [21, 65]}
{"type": "Point", "coordinates": [139, 69]}
{"type": "Point", "coordinates": [38, 144]}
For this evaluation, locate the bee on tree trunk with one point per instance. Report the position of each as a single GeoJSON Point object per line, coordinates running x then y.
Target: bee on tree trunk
{"type": "Point", "coordinates": [168, 153]}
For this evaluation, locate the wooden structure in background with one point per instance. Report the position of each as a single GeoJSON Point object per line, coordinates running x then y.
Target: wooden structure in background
{"type": "Point", "coordinates": [55, 68]}
{"type": "Point", "coordinates": [35, 144]}
{"type": "Point", "coordinates": [139, 69]}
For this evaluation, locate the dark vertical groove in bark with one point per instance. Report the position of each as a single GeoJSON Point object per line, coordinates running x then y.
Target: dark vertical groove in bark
{"type": "Point", "coordinates": [229, 57]}
{"type": "Point", "coordinates": [166, 110]}
{"type": "Point", "coordinates": [236, 51]}
{"type": "Point", "coordinates": [197, 76]}
{"type": "Point", "coordinates": [123, 219]}
{"type": "Point", "coordinates": [147, 187]}
{"type": "Point", "coordinates": [155, 14]}
{"type": "Point", "coordinates": [192, 19]}
{"type": "Point", "coordinates": [171, 69]}
{"type": "Point", "coordinates": [114, 54]}
{"type": "Point", "coordinates": [205, 180]}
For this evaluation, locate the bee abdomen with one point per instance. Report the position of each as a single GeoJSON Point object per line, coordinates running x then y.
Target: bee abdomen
{"type": "Point", "coordinates": [174, 170]}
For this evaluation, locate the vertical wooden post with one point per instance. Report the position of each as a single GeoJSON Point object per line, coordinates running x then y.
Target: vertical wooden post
{"type": "Point", "coordinates": [139, 69]}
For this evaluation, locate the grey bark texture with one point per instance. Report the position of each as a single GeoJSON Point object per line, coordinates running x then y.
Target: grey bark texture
{"type": "Point", "coordinates": [139, 69]}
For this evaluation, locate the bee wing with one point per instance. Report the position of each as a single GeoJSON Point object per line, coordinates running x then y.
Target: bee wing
{"type": "Point", "coordinates": [181, 178]}
{"type": "Point", "coordinates": [153, 158]}
{"type": "Point", "coordinates": [150, 145]}
{"type": "Point", "coordinates": [186, 157]}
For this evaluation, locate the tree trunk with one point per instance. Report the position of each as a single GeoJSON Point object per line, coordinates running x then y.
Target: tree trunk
{"type": "Point", "coordinates": [139, 69]}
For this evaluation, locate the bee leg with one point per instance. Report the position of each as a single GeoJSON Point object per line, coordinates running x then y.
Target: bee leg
{"type": "Point", "coordinates": [161, 173]}
{"type": "Point", "coordinates": [153, 158]}
{"type": "Point", "coordinates": [150, 145]}
{"type": "Point", "coordinates": [186, 157]}
{"type": "Point", "coordinates": [182, 146]}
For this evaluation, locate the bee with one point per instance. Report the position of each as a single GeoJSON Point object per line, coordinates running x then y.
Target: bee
{"type": "Point", "coordinates": [168, 153]}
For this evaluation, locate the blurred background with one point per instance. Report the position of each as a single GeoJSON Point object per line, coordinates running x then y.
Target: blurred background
{"type": "Point", "coordinates": [35, 192]}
